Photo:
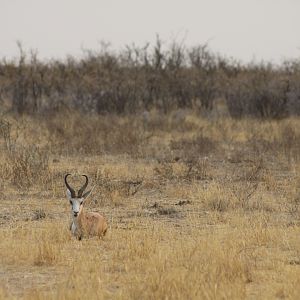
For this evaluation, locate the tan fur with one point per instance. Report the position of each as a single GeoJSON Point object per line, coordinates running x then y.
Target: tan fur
{"type": "Point", "coordinates": [90, 224]}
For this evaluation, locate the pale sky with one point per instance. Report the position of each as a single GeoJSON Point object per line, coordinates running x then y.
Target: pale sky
{"type": "Point", "coordinates": [243, 29]}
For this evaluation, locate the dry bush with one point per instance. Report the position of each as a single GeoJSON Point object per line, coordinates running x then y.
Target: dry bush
{"type": "Point", "coordinates": [197, 169]}
{"type": "Point", "coordinates": [112, 192]}
{"type": "Point", "coordinates": [28, 166]}
{"type": "Point", "coordinates": [245, 181]}
{"type": "Point", "coordinates": [95, 135]}
{"type": "Point", "coordinates": [260, 93]}
{"type": "Point", "coordinates": [39, 214]}
{"type": "Point", "coordinates": [259, 147]}
{"type": "Point", "coordinates": [243, 192]}
{"type": "Point", "coordinates": [107, 81]}
{"type": "Point", "coordinates": [164, 171]}
{"type": "Point", "coordinates": [190, 170]}
{"type": "Point", "coordinates": [289, 142]}
{"type": "Point", "coordinates": [25, 165]}
{"type": "Point", "coordinates": [200, 145]}
{"type": "Point", "coordinates": [234, 192]}
{"type": "Point", "coordinates": [160, 77]}
{"type": "Point", "coordinates": [284, 143]}
{"type": "Point", "coordinates": [251, 173]}
{"type": "Point", "coordinates": [217, 198]}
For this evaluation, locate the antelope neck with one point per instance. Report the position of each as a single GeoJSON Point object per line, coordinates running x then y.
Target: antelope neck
{"type": "Point", "coordinates": [78, 220]}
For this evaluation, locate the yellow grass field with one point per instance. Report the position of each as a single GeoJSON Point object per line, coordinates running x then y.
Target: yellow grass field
{"type": "Point", "coordinates": [198, 208]}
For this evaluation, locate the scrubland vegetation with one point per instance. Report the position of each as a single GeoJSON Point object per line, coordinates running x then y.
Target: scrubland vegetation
{"type": "Point", "coordinates": [195, 161]}
{"type": "Point", "coordinates": [137, 79]}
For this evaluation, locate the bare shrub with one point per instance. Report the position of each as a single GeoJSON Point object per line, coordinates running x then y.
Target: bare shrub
{"type": "Point", "coordinates": [193, 148]}
{"type": "Point", "coordinates": [204, 70]}
{"type": "Point", "coordinates": [124, 138]}
{"type": "Point", "coordinates": [253, 172]}
{"type": "Point", "coordinates": [25, 165]}
{"type": "Point", "coordinates": [113, 192]}
{"type": "Point", "coordinates": [95, 135]}
{"type": "Point", "coordinates": [28, 165]}
{"type": "Point", "coordinates": [289, 143]}
{"type": "Point", "coordinates": [258, 147]}
{"type": "Point", "coordinates": [5, 132]}
{"type": "Point", "coordinates": [197, 169]}
{"type": "Point", "coordinates": [164, 171]}
{"type": "Point", "coordinates": [219, 204]}
{"type": "Point", "coordinates": [39, 214]}
{"type": "Point", "coordinates": [216, 198]}
{"type": "Point", "coordinates": [162, 77]}
{"type": "Point", "coordinates": [262, 93]}
{"type": "Point", "coordinates": [243, 191]}
{"type": "Point", "coordinates": [186, 164]}
{"type": "Point", "coordinates": [286, 144]}
{"type": "Point", "coordinates": [245, 181]}
{"type": "Point", "coordinates": [167, 211]}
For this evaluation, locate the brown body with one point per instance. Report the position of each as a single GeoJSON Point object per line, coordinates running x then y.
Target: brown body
{"type": "Point", "coordinates": [89, 224]}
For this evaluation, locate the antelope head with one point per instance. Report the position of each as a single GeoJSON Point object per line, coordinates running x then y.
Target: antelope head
{"type": "Point", "coordinates": [77, 201]}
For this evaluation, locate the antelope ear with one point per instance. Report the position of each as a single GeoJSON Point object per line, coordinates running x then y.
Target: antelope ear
{"type": "Point", "coordinates": [69, 195]}
{"type": "Point", "coordinates": [86, 194]}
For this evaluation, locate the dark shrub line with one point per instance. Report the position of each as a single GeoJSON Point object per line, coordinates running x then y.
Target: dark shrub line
{"type": "Point", "coordinates": [139, 79]}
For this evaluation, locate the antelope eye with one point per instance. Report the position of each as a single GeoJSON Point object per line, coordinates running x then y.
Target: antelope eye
{"type": "Point", "coordinates": [70, 202]}
{"type": "Point", "coordinates": [81, 202]}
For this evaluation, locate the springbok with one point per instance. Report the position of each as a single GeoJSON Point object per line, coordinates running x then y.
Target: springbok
{"type": "Point", "coordinates": [84, 223]}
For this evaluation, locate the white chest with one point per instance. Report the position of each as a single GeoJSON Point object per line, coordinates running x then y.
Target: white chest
{"type": "Point", "coordinates": [73, 228]}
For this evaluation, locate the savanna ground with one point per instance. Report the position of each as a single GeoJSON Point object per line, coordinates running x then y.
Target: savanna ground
{"type": "Point", "coordinates": [198, 208]}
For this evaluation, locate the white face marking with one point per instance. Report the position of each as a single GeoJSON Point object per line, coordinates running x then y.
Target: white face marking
{"type": "Point", "coordinates": [76, 204]}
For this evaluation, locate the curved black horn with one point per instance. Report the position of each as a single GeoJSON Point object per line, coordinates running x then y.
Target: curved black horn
{"type": "Point", "coordinates": [73, 195]}
{"type": "Point", "coordinates": [80, 192]}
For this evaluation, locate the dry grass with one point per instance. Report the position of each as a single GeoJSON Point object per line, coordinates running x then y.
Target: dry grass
{"type": "Point", "coordinates": [209, 210]}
